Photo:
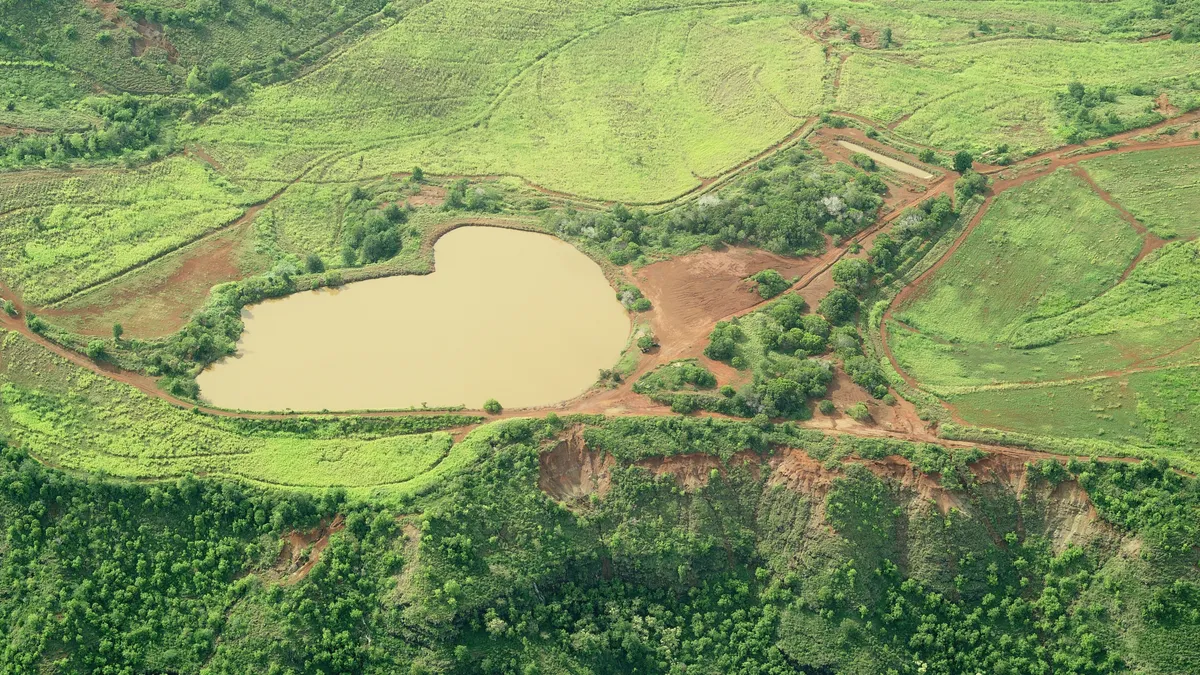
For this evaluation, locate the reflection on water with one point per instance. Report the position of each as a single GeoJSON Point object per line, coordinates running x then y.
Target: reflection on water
{"type": "Point", "coordinates": [517, 316]}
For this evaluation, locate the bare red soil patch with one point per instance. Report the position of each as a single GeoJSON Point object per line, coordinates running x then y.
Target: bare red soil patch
{"type": "Point", "coordinates": [302, 551]}
{"type": "Point", "coordinates": [160, 306]}
{"type": "Point", "coordinates": [429, 195]}
{"type": "Point", "coordinates": [202, 154]}
{"type": "Point", "coordinates": [692, 292]}
{"type": "Point", "coordinates": [570, 472]}
{"type": "Point", "coordinates": [1162, 104]}
{"type": "Point", "coordinates": [694, 470]}
{"type": "Point", "coordinates": [150, 34]}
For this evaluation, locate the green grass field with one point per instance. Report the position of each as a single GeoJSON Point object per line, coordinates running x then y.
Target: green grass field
{"type": "Point", "coordinates": [1161, 188]}
{"type": "Point", "coordinates": [71, 418]}
{"type": "Point", "coordinates": [1153, 412]}
{"type": "Point", "coordinates": [1025, 328]}
{"type": "Point", "coordinates": [1040, 250]}
{"type": "Point", "coordinates": [642, 103]}
{"type": "Point", "coordinates": [62, 232]}
{"type": "Point", "coordinates": [982, 95]}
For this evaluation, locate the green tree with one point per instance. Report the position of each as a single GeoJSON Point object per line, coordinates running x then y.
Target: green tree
{"type": "Point", "coordinates": [492, 407]}
{"type": "Point", "coordinates": [969, 185]}
{"type": "Point", "coordinates": [118, 331]}
{"type": "Point", "coordinates": [770, 283]}
{"type": "Point", "coordinates": [851, 274]}
{"type": "Point", "coordinates": [313, 264]}
{"type": "Point", "coordinates": [220, 76]}
{"type": "Point", "coordinates": [859, 412]}
{"type": "Point", "coordinates": [838, 306]}
{"type": "Point", "coordinates": [195, 83]}
{"type": "Point", "coordinates": [963, 161]}
{"type": "Point", "coordinates": [95, 349]}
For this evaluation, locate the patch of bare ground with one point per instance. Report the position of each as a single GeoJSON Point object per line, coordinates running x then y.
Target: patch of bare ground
{"type": "Point", "coordinates": [1071, 518]}
{"type": "Point", "coordinates": [694, 470]}
{"type": "Point", "coordinates": [150, 34]}
{"type": "Point", "coordinates": [429, 195]}
{"type": "Point", "coordinates": [159, 299]}
{"type": "Point", "coordinates": [1163, 106]}
{"type": "Point", "coordinates": [571, 472]}
{"type": "Point", "coordinates": [693, 292]}
{"type": "Point", "coordinates": [899, 418]}
{"type": "Point", "coordinates": [302, 551]}
{"type": "Point", "coordinates": [1068, 515]}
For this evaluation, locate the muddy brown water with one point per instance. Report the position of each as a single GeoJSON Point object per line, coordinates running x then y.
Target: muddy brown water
{"type": "Point", "coordinates": [521, 317]}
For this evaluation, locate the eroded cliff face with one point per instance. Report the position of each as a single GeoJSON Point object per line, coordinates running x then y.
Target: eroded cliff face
{"type": "Point", "coordinates": [1061, 513]}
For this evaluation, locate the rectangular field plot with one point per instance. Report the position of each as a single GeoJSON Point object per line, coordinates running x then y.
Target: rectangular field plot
{"type": "Point", "coordinates": [1161, 188]}
{"type": "Point", "coordinates": [1040, 250]}
{"type": "Point", "coordinates": [1158, 410]}
{"type": "Point", "coordinates": [63, 232]}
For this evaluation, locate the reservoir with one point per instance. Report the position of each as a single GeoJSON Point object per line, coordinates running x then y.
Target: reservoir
{"type": "Point", "coordinates": [521, 317]}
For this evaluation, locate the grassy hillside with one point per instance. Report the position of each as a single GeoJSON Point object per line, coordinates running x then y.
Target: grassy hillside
{"type": "Point", "coordinates": [74, 419]}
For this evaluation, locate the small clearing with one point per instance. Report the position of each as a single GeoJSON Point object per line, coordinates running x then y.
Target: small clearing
{"type": "Point", "coordinates": [889, 162]}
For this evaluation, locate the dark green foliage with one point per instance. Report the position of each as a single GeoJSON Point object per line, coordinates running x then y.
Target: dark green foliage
{"type": "Point", "coordinates": [1081, 119]}
{"type": "Point", "coordinates": [784, 207]}
{"type": "Point", "coordinates": [910, 238]}
{"type": "Point", "coordinates": [675, 376]}
{"type": "Point", "coordinates": [736, 573]}
{"type": "Point", "coordinates": [969, 185]}
{"type": "Point", "coordinates": [373, 238]}
{"type": "Point", "coordinates": [128, 123]}
{"type": "Point", "coordinates": [770, 283]}
{"type": "Point", "coordinates": [962, 161]}
{"type": "Point", "coordinates": [313, 264]}
{"type": "Point", "coordinates": [465, 197]}
{"type": "Point", "coordinates": [723, 340]}
{"type": "Point", "coordinates": [141, 574]}
{"type": "Point", "coordinates": [632, 299]}
{"type": "Point", "coordinates": [633, 438]}
{"type": "Point", "coordinates": [799, 334]}
{"type": "Point", "coordinates": [492, 407]}
{"type": "Point", "coordinates": [859, 411]}
{"type": "Point", "coordinates": [1148, 497]}
{"type": "Point", "coordinates": [35, 323]}
{"type": "Point", "coordinates": [220, 76]}
{"type": "Point", "coordinates": [866, 374]}
{"type": "Point", "coordinates": [366, 428]}
{"type": "Point", "coordinates": [839, 306]}
{"type": "Point", "coordinates": [95, 349]}
{"type": "Point", "coordinates": [853, 274]}
{"type": "Point", "coordinates": [863, 161]}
